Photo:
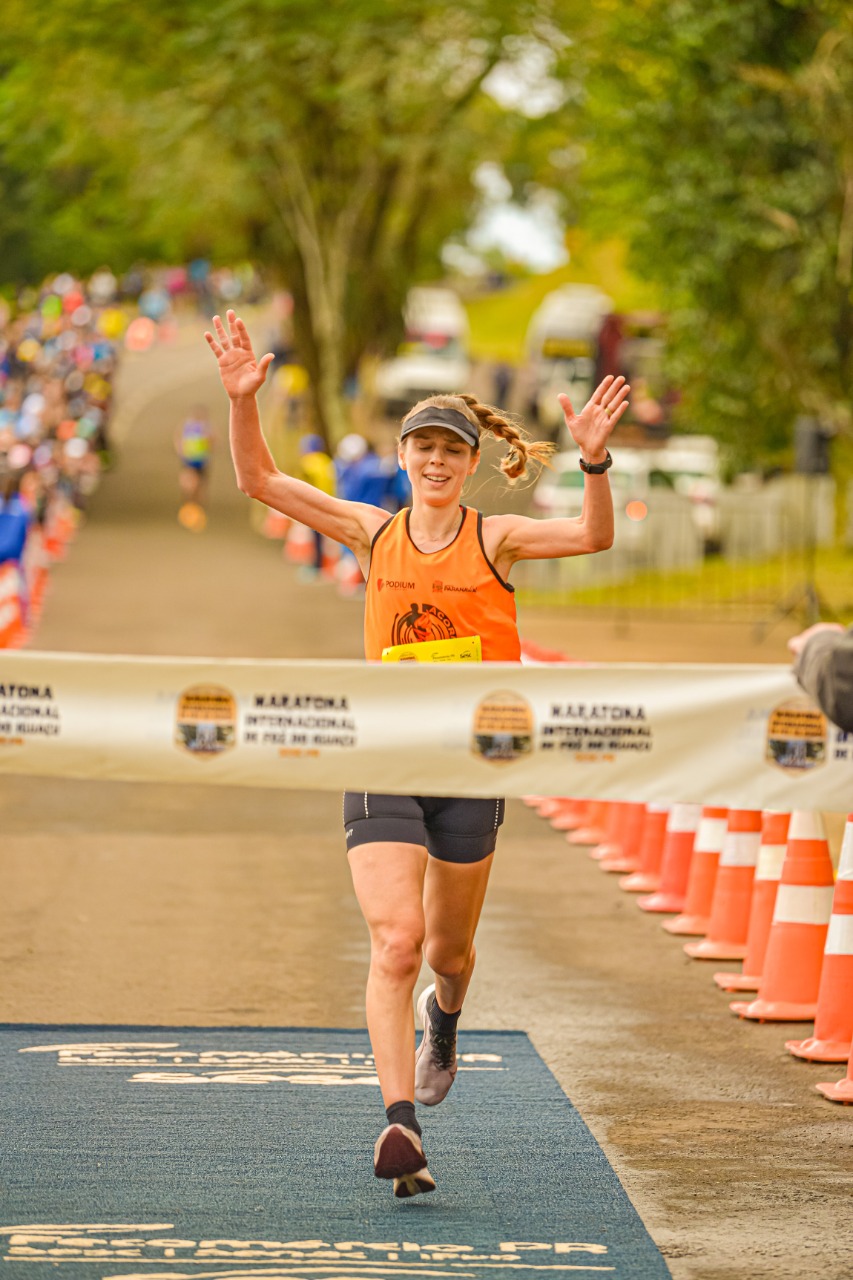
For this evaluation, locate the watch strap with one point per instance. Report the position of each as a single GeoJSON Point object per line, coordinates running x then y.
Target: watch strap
{"type": "Point", "coordinates": [596, 468]}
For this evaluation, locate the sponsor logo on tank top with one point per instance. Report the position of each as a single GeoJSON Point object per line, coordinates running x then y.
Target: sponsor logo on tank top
{"type": "Point", "coordinates": [450, 586]}
{"type": "Point", "coordinates": [394, 584]}
{"type": "Point", "coordinates": [422, 622]}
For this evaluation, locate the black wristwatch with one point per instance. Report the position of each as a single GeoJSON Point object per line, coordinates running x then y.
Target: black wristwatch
{"type": "Point", "coordinates": [596, 468]}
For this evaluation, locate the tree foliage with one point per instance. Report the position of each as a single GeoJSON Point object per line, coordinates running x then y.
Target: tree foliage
{"type": "Point", "coordinates": [339, 139]}
{"type": "Point", "coordinates": [720, 142]}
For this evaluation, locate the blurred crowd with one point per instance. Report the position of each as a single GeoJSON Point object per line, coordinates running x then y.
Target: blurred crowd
{"type": "Point", "coordinates": [59, 351]}
{"type": "Point", "coordinates": [358, 473]}
{"type": "Point", "coordinates": [58, 357]}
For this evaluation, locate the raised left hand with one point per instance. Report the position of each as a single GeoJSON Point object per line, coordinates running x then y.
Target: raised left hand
{"type": "Point", "coordinates": [590, 429]}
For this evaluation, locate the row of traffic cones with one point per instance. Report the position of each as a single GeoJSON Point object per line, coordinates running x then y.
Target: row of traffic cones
{"type": "Point", "coordinates": [746, 885]}
{"type": "Point", "coordinates": [23, 585]}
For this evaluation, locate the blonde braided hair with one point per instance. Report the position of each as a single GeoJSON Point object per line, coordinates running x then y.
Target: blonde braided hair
{"type": "Point", "coordinates": [485, 417]}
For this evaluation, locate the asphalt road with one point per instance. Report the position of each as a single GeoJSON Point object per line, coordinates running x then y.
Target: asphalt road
{"type": "Point", "coordinates": [197, 906]}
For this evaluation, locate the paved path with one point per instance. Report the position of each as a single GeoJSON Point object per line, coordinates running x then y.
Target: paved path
{"type": "Point", "coordinates": [181, 905]}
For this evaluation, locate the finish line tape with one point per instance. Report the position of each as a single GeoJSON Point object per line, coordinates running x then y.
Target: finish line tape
{"type": "Point", "coordinates": [741, 736]}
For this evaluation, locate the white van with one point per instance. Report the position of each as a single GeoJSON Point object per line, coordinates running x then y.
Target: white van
{"type": "Point", "coordinates": [685, 472]}
{"type": "Point", "coordinates": [433, 359]}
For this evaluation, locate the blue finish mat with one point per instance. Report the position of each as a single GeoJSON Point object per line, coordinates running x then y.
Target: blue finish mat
{"type": "Point", "coordinates": [246, 1154]}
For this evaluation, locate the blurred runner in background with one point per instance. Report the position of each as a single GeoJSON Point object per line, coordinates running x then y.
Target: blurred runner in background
{"type": "Point", "coordinates": [194, 443]}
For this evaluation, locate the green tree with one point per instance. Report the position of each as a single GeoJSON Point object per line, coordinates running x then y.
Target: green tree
{"type": "Point", "coordinates": [342, 137]}
{"type": "Point", "coordinates": [720, 135]}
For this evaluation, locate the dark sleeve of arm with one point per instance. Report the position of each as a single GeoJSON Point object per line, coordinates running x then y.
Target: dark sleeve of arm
{"type": "Point", "coordinates": [825, 671]}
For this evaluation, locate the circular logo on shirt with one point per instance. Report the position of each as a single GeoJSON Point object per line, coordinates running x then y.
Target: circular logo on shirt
{"type": "Point", "coordinates": [422, 622]}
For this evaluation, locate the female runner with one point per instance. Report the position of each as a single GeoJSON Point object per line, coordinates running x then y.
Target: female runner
{"type": "Point", "coordinates": [420, 864]}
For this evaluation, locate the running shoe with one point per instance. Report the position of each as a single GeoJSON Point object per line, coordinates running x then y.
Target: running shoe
{"type": "Point", "coordinates": [435, 1059]}
{"type": "Point", "coordinates": [398, 1154]}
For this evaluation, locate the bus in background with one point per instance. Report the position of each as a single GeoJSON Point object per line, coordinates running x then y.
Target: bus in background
{"type": "Point", "coordinates": [575, 339]}
{"type": "Point", "coordinates": [564, 352]}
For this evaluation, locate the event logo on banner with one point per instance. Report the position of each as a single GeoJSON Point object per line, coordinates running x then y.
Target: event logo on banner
{"type": "Point", "coordinates": [503, 727]}
{"type": "Point", "coordinates": [796, 735]}
{"type": "Point", "coordinates": [206, 721]}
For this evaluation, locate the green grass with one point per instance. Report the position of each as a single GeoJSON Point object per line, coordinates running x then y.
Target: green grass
{"type": "Point", "coordinates": [499, 320]}
{"type": "Point", "coordinates": [721, 587]}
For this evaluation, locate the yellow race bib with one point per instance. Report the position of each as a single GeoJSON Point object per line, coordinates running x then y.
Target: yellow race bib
{"type": "Point", "coordinates": [461, 649]}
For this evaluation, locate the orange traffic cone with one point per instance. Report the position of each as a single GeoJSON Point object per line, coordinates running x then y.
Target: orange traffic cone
{"type": "Point", "coordinates": [573, 814]}
{"type": "Point", "coordinates": [696, 916]}
{"type": "Point", "coordinates": [593, 831]}
{"type": "Point", "coordinates": [727, 927]}
{"type": "Point", "coordinates": [548, 806]}
{"type": "Point", "coordinates": [626, 856]}
{"type": "Point", "coordinates": [771, 855]}
{"type": "Point", "coordinates": [13, 625]}
{"type": "Point", "coordinates": [681, 827]}
{"type": "Point", "coordinates": [833, 1028]}
{"type": "Point", "coordinates": [533, 654]}
{"type": "Point", "coordinates": [842, 1090]}
{"type": "Point", "coordinates": [614, 830]}
{"type": "Point", "coordinates": [792, 965]}
{"type": "Point", "coordinates": [647, 876]}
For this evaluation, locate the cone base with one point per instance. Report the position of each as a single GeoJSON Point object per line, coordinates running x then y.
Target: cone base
{"type": "Point", "coordinates": [716, 949]}
{"type": "Point", "coordinates": [842, 1091]}
{"type": "Point", "coordinates": [814, 1050]}
{"type": "Point", "coordinates": [665, 902]}
{"type": "Point", "coordinates": [565, 822]}
{"type": "Point", "coordinates": [585, 835]}
{"type": "Point", "coordinates": [738, 981]}
{"type": "Point", "coordinates": [774, 1011]}
{"type": "Point", "coordinates": [618, 866]}
{"type": "Point", "coordinates": [695, 925]}
{"type": "Point", "coordinates": [640, 882]}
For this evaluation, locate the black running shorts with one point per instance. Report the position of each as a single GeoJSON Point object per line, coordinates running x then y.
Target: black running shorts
{"type": "Point", "coordinates": [451, 829]}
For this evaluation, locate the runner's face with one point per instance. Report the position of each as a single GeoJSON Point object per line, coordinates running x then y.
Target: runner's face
{"type": "Point", "coordinates": [438, 463]}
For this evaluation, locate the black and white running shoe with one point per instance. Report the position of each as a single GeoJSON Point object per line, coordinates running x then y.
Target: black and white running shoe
{"type": "Point", "coordinates": [435, 1059]}
{"type": "Point", "coordinates": [398, 1154]}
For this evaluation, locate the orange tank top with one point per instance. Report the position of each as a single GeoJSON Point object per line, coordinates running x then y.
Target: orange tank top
{"type": "Point", "coordinates": [414, 595]}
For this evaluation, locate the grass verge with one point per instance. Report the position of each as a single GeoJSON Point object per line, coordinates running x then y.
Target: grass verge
{"type": "Point", "coordinates": [723, 587]}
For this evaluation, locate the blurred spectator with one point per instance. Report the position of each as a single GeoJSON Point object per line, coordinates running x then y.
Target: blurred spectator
{"type": "Point", "coordinates": [364, 476]}
{"type": "Point", "coordinates": [608, 355]}
{"type": "Point", "coordinates": [501, 383]}
{"type": "Point", "coordinates": [318, 469]}
{"type": "Point", "coordinates": [15, 520]}
{"type": "Point", "coordinates": [823, 664]}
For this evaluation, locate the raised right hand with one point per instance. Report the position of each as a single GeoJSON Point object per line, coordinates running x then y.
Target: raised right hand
{"type": "Point", "coordinates": [242, 375]}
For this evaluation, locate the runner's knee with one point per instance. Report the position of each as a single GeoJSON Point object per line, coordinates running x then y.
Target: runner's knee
{"type": "Point", "coordinates": [446, 959]}
{"type": "Point", "coordinates": [396, 951]}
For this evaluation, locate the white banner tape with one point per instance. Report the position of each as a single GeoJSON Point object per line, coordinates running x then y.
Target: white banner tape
{"type": "Point", "coordinates": [740, 736]}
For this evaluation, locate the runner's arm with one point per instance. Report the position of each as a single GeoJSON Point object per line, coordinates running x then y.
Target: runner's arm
{"type": "Point", "coordinates": [351, 523]}
{"type": "Point", "coordinates": [509, 538]}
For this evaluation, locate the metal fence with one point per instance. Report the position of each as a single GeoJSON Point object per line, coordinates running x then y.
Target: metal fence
{"type": "Point", "coordinates": [766, 544]}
